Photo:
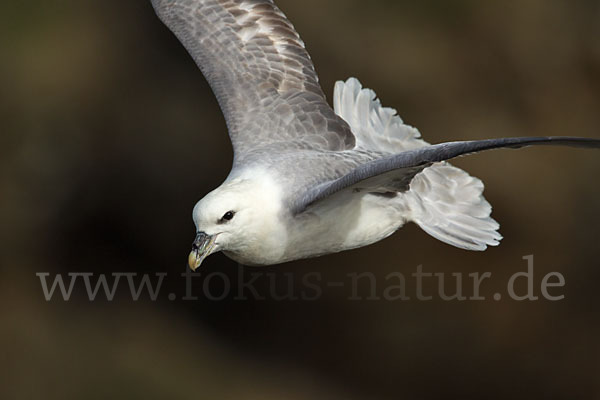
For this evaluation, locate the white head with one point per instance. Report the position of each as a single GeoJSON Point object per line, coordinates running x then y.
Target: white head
{"type": "Point", "coordinates": [241, 217]}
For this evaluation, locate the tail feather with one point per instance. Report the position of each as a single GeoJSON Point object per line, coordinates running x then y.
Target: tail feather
{"type": "Point", "coordinates": [448, 204]}
{"type": "Point", "coordinates": [375, 127]}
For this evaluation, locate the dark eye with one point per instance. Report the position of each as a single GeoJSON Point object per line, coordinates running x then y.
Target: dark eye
{"type": "Point", "coordinates": [227, 216]}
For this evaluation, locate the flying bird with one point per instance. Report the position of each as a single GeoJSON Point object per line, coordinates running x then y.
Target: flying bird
{"type": "Point", "coordinates": [308, 179]}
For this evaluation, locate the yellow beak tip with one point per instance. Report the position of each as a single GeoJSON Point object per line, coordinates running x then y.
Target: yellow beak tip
{"type": "Point", "coordinates": [194, 260]}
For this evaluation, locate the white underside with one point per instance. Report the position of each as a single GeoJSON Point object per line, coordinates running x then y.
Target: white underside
{"type": "Point", "coordinates": [343, 222]}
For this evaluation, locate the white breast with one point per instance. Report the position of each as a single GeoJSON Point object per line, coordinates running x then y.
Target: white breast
{"type": "Point", "coordinates": [342, 222]}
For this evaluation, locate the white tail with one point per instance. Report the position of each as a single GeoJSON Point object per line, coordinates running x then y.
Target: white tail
{"type": "Point", "coordinates": [448, 203]}
{"type": "Point", "coordinates": [443, 200]}
{"type": "Point", "coordinates": [375, 127]}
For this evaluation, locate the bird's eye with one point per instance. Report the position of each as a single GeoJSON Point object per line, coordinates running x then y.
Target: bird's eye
{"type": "Point", "coordinates": [227, 216]}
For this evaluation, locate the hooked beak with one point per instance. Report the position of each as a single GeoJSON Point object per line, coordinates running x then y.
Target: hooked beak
{"type": "Point", "coordinates": [201, 248]}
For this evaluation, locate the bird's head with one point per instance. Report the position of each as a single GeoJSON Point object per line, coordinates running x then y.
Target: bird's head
{"type": "Point", "coordinates": [239, 217]}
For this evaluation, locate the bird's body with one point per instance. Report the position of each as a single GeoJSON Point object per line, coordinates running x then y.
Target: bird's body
{"type": "Point", "coordinates": [309, 179]}
{"type": "Point", "coordinates": [340, 223]}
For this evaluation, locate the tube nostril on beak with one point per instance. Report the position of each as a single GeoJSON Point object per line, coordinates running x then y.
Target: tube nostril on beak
{"type": "Point", "coordinates": [201, 238]}
{"type": "Point", "coordinates": [201, 248]}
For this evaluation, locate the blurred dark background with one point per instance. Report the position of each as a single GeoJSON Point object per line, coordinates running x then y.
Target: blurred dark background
{"type": "Point", "coordinates": [109, 135]}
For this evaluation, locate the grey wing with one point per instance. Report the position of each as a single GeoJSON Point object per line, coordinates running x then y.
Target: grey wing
{"type": "Point", "coordinates": [394, 173]}
{"type": "Point", "coordinates": [260, 72]}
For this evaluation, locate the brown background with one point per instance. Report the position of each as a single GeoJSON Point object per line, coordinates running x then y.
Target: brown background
{"type": "Point", "coordinates": [110, 135]}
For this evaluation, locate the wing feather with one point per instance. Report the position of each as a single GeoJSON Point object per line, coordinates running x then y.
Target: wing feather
{"type": "Point", "coordinates": [260, 72]}
{"type": "Point", "coordinates": [395, 172]}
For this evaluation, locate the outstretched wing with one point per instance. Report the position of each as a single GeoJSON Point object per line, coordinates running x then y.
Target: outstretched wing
{"type": "Point", "coordinates": [260, 72]}
{"type": "Point", "coordinates": [394, 173]}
